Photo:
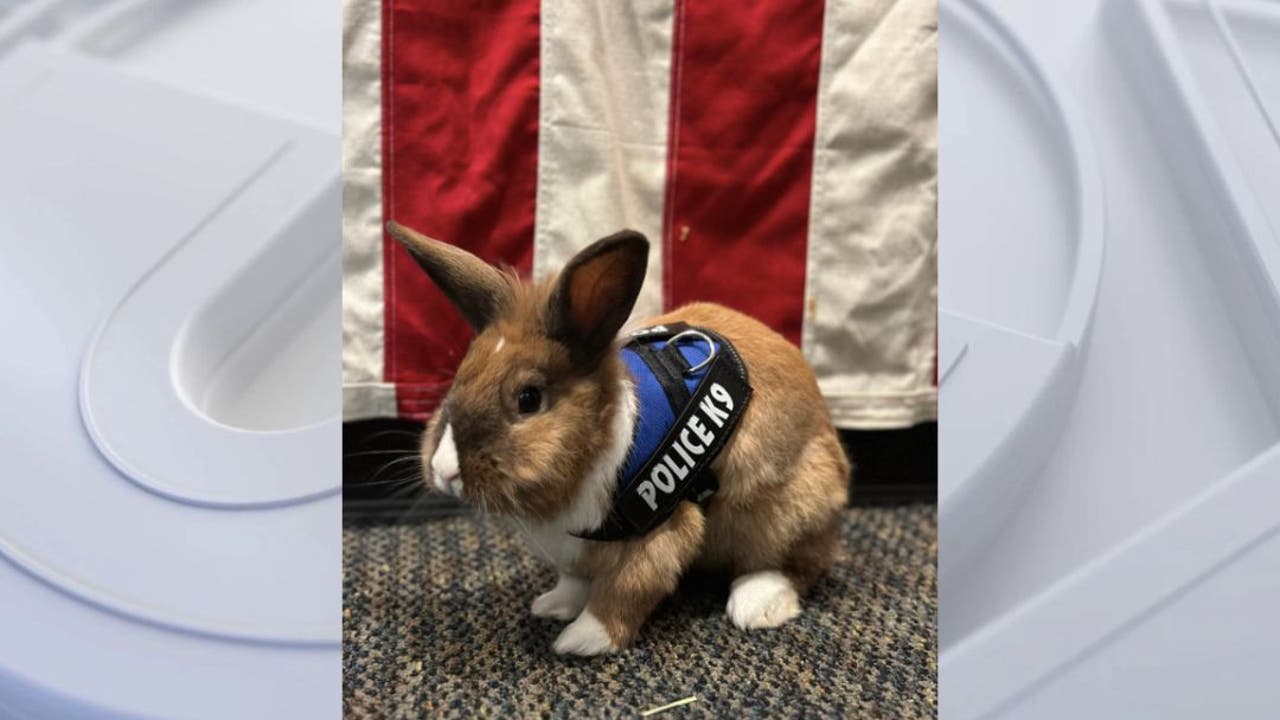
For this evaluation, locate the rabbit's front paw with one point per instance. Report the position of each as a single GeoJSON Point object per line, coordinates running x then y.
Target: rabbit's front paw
{"type": "Point", "coordinates": [585, 636]}
{"type": "Point", "coordinates": [564, 601]}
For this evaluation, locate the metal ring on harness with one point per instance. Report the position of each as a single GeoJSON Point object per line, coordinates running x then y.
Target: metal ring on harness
{"type": "Point", "coordinates": [711, 348]}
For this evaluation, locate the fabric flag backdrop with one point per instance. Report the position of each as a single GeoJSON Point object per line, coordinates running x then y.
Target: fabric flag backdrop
{"type": "Point", "coordinates": [780, 155]}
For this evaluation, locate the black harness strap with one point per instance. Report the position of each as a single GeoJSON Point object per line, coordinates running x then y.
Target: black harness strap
{"type": "Point", "coordinates": [669, 375]}
{"type": "Point", "coordinates": [679, 467]}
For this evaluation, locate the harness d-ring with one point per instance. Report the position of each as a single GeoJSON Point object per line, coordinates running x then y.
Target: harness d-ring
{"type": "Point", "coordinates": [711, 348]}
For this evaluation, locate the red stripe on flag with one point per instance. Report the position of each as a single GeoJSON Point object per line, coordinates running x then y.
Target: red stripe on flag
{"type": "Point", "coordinates": [460, 139]}
{"type": "Point", "coordinates": [744, 95]}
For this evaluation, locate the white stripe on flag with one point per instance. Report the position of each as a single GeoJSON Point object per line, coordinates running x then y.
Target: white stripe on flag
{"type": "Point", "coordinates": [871, 294]}
{"type": "Point", "coordinates": [364, 393]}
{"type": "Point", "coordinates": [602, 143]}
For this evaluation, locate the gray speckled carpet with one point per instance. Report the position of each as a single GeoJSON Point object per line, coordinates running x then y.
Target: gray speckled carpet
{"type": "Point", "coordinates": [437, 624]}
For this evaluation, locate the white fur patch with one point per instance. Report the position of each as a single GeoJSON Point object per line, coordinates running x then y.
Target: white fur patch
{"type": "Point", "coordinates": [501, 341]}
{"type": "Point", "coordinates": [564, 601]}
{"type": "Point", "coordinates": [551, 539]}
{"type": "Point", "coordinates": [444, 464]}
{"type": "Point", "coordinates": [584, 636]}
{"type": "Point", "coordinates": [762, 600]}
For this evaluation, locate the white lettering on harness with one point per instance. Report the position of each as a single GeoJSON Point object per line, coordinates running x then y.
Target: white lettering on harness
{"type": "Point", "coordinates": [662, 478]}
{"type": "Point", "coordinates": [713, 413]}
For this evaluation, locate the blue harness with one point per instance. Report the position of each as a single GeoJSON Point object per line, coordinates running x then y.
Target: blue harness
{"type": "Point", "coordinates": [692, 389]}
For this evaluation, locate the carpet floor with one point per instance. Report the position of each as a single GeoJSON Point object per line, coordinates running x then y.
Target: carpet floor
{"type": "Point", "coordinates": [437, 624]}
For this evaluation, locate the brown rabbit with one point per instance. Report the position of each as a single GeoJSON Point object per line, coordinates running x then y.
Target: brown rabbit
{"type": "Point", "coordinates": [541, 416]}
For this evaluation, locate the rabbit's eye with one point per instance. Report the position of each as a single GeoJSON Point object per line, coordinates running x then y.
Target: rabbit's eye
{"type": "Point", "coordinates": [529, 400]}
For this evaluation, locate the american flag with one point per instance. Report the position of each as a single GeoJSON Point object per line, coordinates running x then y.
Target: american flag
{"type": "Point", "coordinates": [779, 154]}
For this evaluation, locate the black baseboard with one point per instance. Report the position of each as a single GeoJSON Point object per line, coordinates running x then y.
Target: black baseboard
{"type": "Point", "coordinates": [381, 474]}
{"type": "Point", "coordinates": [893, 466]}
{"type": "Point", "coordinates": [381, 479]}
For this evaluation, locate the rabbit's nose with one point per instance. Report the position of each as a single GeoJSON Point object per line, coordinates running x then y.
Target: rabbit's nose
{"type": "Point", "coordinates": [444, 465]}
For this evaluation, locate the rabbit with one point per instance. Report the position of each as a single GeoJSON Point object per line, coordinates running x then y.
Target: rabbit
{"type": "Point", "coordinates": [540, 417]}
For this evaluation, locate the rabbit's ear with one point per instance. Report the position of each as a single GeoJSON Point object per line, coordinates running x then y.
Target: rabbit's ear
{"type": "Point", "coordinates": [595, 293]}
{"type": "Point", "coordinates": [475, 287]}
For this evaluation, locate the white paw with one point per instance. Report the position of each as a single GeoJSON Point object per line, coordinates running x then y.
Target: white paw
{"type": "Point", "coordinates": [762, 600]}
{"type": "Point", "coordinates": [584, 636]}
{"type": "Point", "coordinates": [564, 601]}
